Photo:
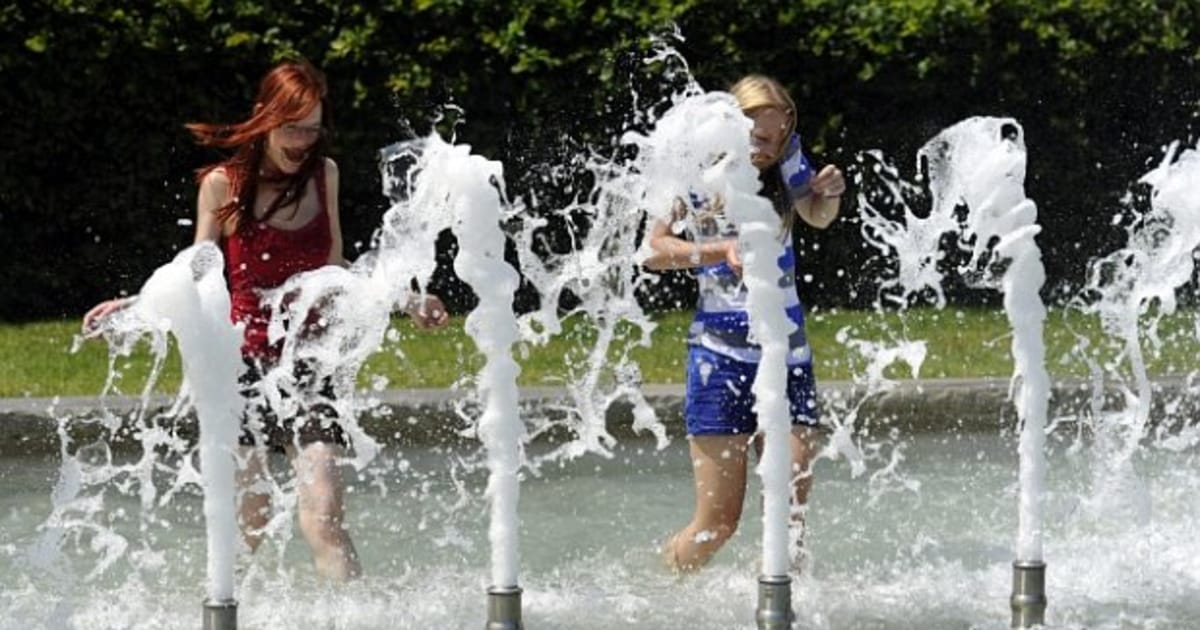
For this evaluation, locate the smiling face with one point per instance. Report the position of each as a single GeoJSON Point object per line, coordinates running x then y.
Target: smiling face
{"type": "Point", "coordinates": [289, 144]}
{"type": "Point", "coordinates": [769, 135]}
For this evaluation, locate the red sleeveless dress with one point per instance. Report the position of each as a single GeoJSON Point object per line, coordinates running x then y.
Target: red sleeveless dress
{"type": "Point", "coordinates": [259, 256]}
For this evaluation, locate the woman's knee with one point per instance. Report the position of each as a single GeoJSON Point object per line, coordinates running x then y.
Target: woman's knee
{"type": "Point", "coordinates": [321, 514]}
{"type": "Point", "coordinates": [255, 510]}
{"type": "Point", "coordinates": [726, 529]}
{"type": "Point", "coordinates": [321, 501]}
{"type": "Point", "coordinates": [717, 525]}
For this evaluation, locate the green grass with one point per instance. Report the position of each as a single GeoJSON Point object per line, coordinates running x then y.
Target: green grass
{"type": "Point", "coordinates": [961, 343]}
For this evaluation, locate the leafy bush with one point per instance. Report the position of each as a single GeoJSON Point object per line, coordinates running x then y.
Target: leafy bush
{"type": "Point", "coordinates": [95, 177]}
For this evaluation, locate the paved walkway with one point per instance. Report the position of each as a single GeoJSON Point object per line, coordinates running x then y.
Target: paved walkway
{"type": "Point", "coordinates": [428, 415]}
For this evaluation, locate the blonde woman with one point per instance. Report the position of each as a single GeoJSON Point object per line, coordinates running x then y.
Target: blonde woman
{"type": "Point", "coordinates": [722, 361]}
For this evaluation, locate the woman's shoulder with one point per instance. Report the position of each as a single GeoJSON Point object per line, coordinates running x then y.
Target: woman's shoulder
{"type": "Point", "coordinates": [331, 169]}
{"type": "Point", "coordinates": [216, 184]}
{"type": "Point", "coordinates": [217, 178]}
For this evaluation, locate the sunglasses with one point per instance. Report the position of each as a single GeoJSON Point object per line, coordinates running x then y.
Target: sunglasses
{"type": "Point", "coordinates": [771, 118]}
{"type": "Point", "coordinates": [301, 132]}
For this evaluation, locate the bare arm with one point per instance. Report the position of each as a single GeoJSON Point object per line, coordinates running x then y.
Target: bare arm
{"type": "Point", "coordinates": [214, 193]}
{"type": "Point", "coordinates": [336, 255]}
{"type": "Point", "coordinates": [671, 252]}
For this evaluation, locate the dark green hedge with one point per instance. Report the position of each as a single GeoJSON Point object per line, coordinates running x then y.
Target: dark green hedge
{"type": "Point", "coordinates": [95, 171]}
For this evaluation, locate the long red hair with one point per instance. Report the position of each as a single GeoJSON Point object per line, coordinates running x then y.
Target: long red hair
{"type": "Point", "coordinates": [288, 93]}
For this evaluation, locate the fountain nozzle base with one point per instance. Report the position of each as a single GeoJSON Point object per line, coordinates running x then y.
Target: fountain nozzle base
{"type": "Point", "coordinates": [774, 603]}
{"type": "Point", "coordinates": [1028, 594]}
{"type": "Point", "coordinates": [220, 614]}
{"type": "Point", "coordinates": [504, 608]}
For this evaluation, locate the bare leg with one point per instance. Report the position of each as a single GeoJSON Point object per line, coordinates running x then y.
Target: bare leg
{"type": "Point", "coordinates": [804, 443]}
{"type": "Point", "coordinates": [719, 467]}
{"type": "Point", "coordinates": [319, 482]}
{"type": "Point", "coordinates": [254, 506]}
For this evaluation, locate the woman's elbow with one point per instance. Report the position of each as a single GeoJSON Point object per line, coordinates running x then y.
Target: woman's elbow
{"type": "Point", "coordinates": [655, 262]}
{"type": "Point", "coordinates": [659, 258]}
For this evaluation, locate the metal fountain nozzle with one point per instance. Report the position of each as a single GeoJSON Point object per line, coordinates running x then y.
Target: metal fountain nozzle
{"type": "Point", "coordinates": [774, 603]}
{"type": "Point", "coordinates": [220, 614]}
{"type": "Point", "coordinates": [504, 608]}
{"type": "Point", "coordinates": [1028, 594]}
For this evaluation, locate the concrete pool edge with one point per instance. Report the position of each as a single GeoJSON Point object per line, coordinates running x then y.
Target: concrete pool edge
{"type": "Point", "coordinates": [420, 416]}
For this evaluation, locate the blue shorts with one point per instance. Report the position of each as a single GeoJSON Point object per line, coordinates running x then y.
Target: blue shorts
{"type": "Point", "coordinates": [719, 401]}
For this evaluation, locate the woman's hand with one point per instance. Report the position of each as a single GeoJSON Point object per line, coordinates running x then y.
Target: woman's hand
{"type": "Point", "coordinates": [428, 312]}
{"type": "Point", "coordinates": [93, 318]}
{"type": "Point", "coordinates": [829, 182]}
{"type": "Point", "coordinates": [820, 208]}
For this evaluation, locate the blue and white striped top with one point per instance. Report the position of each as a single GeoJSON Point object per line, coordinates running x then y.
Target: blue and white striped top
{"type": "Point", "coordinates": [722, 323]}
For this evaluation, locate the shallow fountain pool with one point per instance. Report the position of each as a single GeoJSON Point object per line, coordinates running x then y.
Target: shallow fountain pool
{"type": "Point", "coordinates": [927, 547]}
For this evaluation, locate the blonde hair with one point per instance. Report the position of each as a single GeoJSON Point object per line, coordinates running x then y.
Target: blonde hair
{"type": "Point", "coordinates": [756, 91]}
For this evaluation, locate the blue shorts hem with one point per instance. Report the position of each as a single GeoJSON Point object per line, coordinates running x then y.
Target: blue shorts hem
{"type": "Point", "coordinates": [719, 400]}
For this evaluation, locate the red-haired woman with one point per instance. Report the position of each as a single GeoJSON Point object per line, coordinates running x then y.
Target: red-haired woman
{"type": "Point", "coordinates": [273, 206]}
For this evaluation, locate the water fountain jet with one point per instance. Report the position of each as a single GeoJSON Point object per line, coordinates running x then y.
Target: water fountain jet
{"type": "Point", "coordinates": [979, 165]}
{"type": "Point", "coordinates": [980, 162]}
{"type": "Point", "coordinates": [466, 192]}
{"type": "Point", "coordinates": [700, 148]}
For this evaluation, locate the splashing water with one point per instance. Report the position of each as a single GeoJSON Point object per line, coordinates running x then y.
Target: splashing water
{"type": "Point", "coordinates": [979, 163]}
{"type": "Point", "coordinates": [602, 271]}
{"type": "Point", "coordinates": [913, 242]}
{"type": "Point", "coordinates": [189, 298]}
{"type": "Point", "coordinates": [1131, 290]}
{"type": "Point", "coordinates": [467, 192]}
{"type": "Point", "coordinates": [884, 564]}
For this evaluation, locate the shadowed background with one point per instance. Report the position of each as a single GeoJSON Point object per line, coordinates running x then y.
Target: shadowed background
{"type": "Point", "coordinates": [96, 169]}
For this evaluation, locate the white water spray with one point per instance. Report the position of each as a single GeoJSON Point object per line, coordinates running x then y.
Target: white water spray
{"type": "Point", "coordinates": [980, 162]}
{"type": "Point", "coordinates": [979, 165]}
{"type": "Point", "coordinates": [188, 297]}
{"type": "Point", "coordinates": [478, 207]}
{"type": "Point", "coordinates": [450, 187]}
{"type": "Point", "coordinates": [1131, 290]}
{"type": "Point", "coordinates": [758, 236]}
